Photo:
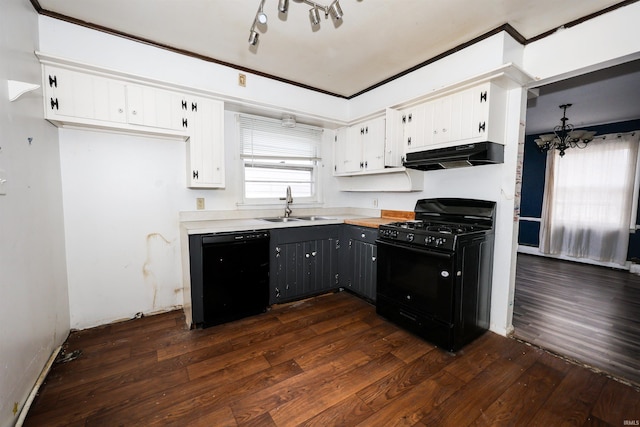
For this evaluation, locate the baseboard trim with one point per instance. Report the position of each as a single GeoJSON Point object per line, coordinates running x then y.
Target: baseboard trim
{"type": "Point", "coordinates": [37, 385]}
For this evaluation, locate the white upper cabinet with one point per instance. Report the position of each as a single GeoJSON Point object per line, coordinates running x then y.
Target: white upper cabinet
{"type": "Point", "coordinates": [75, 96]}
{"type": "Point", "coordinates": [360, 148]}
{"type": "Point", "coordinates": [157, 108]}
{"type": "Point", "coordinates": [205, 147]}
{"type": "Point", "coordinates": [96, 100]}
{"type": "Point", "coordinates": [471, 115]}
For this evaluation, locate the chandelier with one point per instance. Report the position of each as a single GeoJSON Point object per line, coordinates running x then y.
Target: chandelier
{"type": "Point", "coordinates": [564, 136]}
{"type": "Point", "coordinates": [333, 9]}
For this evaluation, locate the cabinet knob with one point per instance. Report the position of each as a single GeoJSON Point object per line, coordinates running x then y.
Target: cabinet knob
{"type": "Point", "coordinates": [373, 259]}
{"type": "Point", "coordinates": [409, 141]}
{"type": "Point", "coordinates": [313, 253]}
{"type": "Point", "coordinates": [120, 110]}
{"type": "Point", "coordinates": [362, 235]}
{"type": "Point", "coordinates": [134, 112]}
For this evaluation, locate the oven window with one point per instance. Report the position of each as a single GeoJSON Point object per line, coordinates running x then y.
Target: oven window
{"type": "Point", "coordinates": [421, 280]}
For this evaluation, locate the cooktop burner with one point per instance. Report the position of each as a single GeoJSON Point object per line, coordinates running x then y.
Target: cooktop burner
{"type": "Point", "coordinates": [441, 223]}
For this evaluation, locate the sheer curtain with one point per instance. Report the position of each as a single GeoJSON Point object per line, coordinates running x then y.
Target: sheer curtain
{"type": "Point", "coordinates": [588, 196]}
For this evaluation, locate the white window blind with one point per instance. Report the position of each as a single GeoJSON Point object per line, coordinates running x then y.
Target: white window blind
{"type": "Point", "coordinates": [267, 138]}
{"type": "Point", "coordinates": [275, 157]}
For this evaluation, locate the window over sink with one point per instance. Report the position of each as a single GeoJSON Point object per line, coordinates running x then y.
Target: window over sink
{"type": "Point", "coordinates": [275, 157]}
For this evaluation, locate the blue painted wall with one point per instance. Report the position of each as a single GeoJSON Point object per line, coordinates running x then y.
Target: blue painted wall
{"type": "Point", "coordinates": [533, 187]}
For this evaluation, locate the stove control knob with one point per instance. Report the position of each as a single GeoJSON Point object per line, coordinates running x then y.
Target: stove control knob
{"type": "Point", "coordinates": [440, 241]}
{"type": "Point", "coordinates": [410, 237]}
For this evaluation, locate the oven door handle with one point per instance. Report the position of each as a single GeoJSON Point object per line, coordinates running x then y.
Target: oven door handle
{"type": "Point", "coordinates": [442, 255]}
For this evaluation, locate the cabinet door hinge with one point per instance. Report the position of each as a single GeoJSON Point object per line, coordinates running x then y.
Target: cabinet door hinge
{"type": "Point", "coordinates": [53, 81]}
{"type": "Point", "coordinates": [483, 96]}
{"type": "Point", "coordinates": [195, 174]}
{"type": "Point", "coordinates": [54, 103]}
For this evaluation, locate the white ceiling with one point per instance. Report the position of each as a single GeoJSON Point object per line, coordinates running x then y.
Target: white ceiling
{"type": "Point", "coordinates": [376, 40]}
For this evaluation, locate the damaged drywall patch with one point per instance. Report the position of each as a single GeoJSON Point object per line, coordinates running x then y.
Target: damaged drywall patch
{"type": "Point", "coordinates": [159, 263]}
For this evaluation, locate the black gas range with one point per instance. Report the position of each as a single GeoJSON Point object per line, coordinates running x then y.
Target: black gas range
{"type": "Point", "coordinates": [434, 273]}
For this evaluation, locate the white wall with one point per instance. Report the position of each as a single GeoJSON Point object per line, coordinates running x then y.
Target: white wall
{"type": "Point", "coordinates": [34, 310]}
{"type": "Point", "coordinates": [606, 40]}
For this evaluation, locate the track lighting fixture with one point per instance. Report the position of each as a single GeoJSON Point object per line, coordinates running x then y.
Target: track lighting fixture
{"type": "Point", "coordinates": [314, 15]}
{"type": "Point", "coordinates": [283, 6]}
{"type": "Point", "coordinates": [334, 10]}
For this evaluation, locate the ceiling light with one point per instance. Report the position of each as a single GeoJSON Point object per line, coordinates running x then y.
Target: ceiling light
{"type": "Point", "coordinates": [253, 38]}
{"type": "Point", "coordinates": [283, 6]}
{"type": "Point", "coordinates": [564, 136]}
{"type": "Point", "coordinates": [314, 16]}
{"type": "Point", "coordinates": [333, 9]}
{"type": "Point", "coordinates": [260, 17]}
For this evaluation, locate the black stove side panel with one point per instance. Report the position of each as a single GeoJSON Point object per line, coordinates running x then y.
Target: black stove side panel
{"type": "Point", "coordinates": [473, 310]}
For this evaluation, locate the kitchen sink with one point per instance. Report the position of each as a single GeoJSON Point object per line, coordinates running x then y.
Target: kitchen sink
{"type": "Point", "coordinates": [280, 219]}
{"type": "Point", "coordinates": [313, 218]}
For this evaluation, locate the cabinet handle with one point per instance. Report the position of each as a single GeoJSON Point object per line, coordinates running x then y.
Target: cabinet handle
{"type": "Point", "coordinates": [53, 81]}
{"type": "Point", "coordinates": [409, 141]}
{"type": "Point", "coordinates": [54, 103]}
{"type": "Point", "coordinates": [481, 127]}
{"type": "Point", "coordinates": [410, 117]}
{"type": "Point", "coordinates": [366, 165]}
{"type": "Point", "coordinates": [373, 259]}
{"type": "Point", "coordinates": [194, 106]}
{"type": "Point", "coordinates": [277, 292]}
{"type": "Point", "coordinates": [195, 174]}
{"type": "Point", "coordinates": [184, 104]}
{"type": "Point", "coordinates": [366, 129]}
{"type": "Point", "coordinates": [483, 96]}
{"type": "Point", "coordinates": [184, 123]}
{"type": "Point", "coordinates": [313, 253]}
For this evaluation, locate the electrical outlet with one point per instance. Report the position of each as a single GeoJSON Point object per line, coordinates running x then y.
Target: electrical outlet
{"type": "Point", "coordinates": [242, 80]}
{"type": "Point", "coordinates": [200, 203]}
{"type": "Point", "coordinates": [375, 203]}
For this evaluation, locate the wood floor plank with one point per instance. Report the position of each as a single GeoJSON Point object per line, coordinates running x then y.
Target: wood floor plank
{"type": "Point", "coordinates": [328, 360]}
{"type": "Point", "coordinates": [584, 312]}
{"type": "Point", "coordinates": [571, 402]}
{"type": "Point", "coordinates": [523, 398]}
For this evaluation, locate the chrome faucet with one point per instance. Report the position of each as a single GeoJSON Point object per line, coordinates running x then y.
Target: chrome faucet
{"type": "Point", "coordinates": [288, 200]}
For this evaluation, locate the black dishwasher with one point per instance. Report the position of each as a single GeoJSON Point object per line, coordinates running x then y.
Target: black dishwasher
{"type": "Point", "coordinates": [229, 276]}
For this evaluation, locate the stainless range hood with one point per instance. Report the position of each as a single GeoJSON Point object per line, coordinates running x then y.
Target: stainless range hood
{"type": "Point", "coordinates": [480, 153]}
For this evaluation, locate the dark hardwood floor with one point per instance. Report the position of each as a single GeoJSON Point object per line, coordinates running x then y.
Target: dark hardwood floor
{"type": "Point", "coordinates": [325, 361]}
{"type": "Point", "coordinates": [588, 313]}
